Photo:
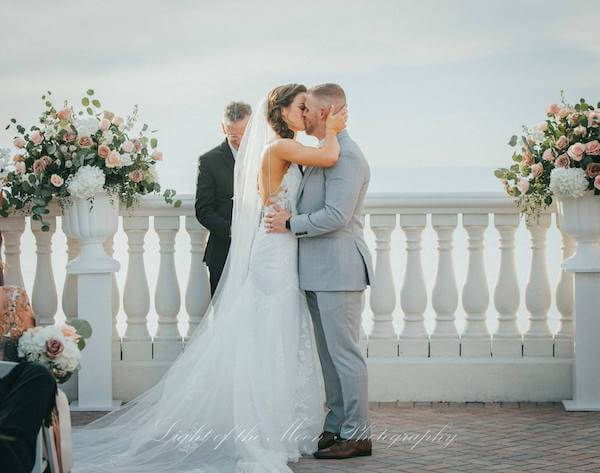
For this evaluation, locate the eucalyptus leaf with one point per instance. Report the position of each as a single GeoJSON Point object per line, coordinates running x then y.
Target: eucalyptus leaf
{"type": "Point", "coordinates": [513, 140]}
{"type": "Point", "coordinates": [83, 327]}
{"type": "Point", "coordinates": [96, 103]}
{"type": "Point", "coordinates": [90, 92]}
{"type": "Point", "coordinates": [85, 101]}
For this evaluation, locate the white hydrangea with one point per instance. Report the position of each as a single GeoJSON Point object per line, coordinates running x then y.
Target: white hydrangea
{"type": "Point", "coordinates": [126, 159]}
{"type": "Point", "coordinates": [5, 160]}
{"type": "Point", "coordinates": [32, 347]}
{"type": "Point", "coordinates": [86, 182]}
{"type": "Point", "coordinates": [87, 125]}
{"type": "Point", "coordinates": [568, 182]}
{"type": "Point", "coordinates": [151, 175]}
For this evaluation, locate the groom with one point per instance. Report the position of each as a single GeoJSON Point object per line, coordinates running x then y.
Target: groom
{"type": "Point", "coordinates": [334, 267]}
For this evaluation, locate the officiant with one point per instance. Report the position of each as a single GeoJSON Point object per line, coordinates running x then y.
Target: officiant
{"type": "Point", "coordinates": [214, 189]}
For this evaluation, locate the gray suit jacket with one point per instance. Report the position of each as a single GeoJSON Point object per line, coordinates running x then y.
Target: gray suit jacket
{"type": "Point", "coordinates": [332, 253]}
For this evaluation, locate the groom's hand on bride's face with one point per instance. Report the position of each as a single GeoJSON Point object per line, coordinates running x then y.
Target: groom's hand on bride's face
{"type": "Point", "coordinates": [275, 221]}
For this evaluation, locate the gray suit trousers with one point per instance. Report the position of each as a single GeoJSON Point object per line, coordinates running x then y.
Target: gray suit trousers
{"type": "Point", "coordinates": [336, 318]}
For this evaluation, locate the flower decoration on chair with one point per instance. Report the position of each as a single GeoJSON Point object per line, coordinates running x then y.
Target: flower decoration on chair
{"type": "Point", "coordinates": [559, 157]}
{"type": "Point", "coordinates": [77, 153]}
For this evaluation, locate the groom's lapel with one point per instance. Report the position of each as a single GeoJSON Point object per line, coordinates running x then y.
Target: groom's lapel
{"type": "Point", "coordinates": [307, 172]}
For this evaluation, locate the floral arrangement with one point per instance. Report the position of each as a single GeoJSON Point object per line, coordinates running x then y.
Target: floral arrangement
{"type": "Point", "coordinates": [561, 157]}
{"type": "Point", "coordinates": [57, 348]}
{"type": "Point", "coordinates": [77, 154]}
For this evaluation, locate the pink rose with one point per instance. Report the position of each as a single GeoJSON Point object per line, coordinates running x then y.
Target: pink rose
{"type": "Point", "coordinates": [108, 115]}
{"type": "Point", "coordinates": [113, 160]}
{"type": "Point", "coordinates": [562, 143]}
{"type": "Point", "coordinates": [548, 155]}
{"type": "Point", "coordinates": [593, 148]}
{"type": "Point", "coordinates": [69, 332]}
{"type": "Point", "coordinates": [562, 161]}
{"type": "Point", "coordinates": [19, 142]}
{"type": "Point", "coordinates": [137, 144]}
{"type": "Point", "coordinates": [574, 118]}
{"type": "Point", "coordinates": [523, 185]}
{"type": "Point", "coordinates": [104, 124]}
{"type": "Point", "coordinates": [553, 109]}
{"type": "Point", "coordinates": [564, 112]}
{"type": "Point", "coordinates": [157, 156]}
{"type": "Point", "coordinates": [527, 158]}
{"type": "Point", "coordinates": [37, 137]}
{"type": "Point", "coordinates": [69, 136]}
{"type": "Point", "coordinates": [117, 120]}
{"type": "Point", "coordinates": [103, 151]}
{"type": "Point", "coordinates": [136, 175]}
{"type": "Point", "coordinates": [54, 348]}
{"type": "Point", "coordinates": [592, 170]}
{"type": "Point", "coordinates": [85, 141]}
{"type": "Point", "coordinates": [594, 118]}
{"type": "Point", "coordinates": [39, 165]}
{"type": "Point", "coordinates": [576, 151]}
{"type": "Point", "coordinates": [20, 167]}
{"type": "Point", "coordinates": [128, 146]}
{"type": "Point", "coordinates": [597, 182]}
{"type": "Point", "coordinates": [64, 114]}
{"type": "Point", "coordinates": [537, 170]}
{"type": "Point", "coordinates": [56, 180]}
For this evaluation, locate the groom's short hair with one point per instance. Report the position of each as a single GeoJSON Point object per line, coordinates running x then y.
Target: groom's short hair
{"type": "Point", "coordinates": [329, 92]}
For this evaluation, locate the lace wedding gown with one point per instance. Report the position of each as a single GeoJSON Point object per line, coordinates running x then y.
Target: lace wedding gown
{"type": "Point", "coordinates": [251, 401]}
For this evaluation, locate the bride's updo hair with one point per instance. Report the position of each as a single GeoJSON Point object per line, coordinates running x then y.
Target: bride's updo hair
{"type": "Point", "coordinates": [279, 98]}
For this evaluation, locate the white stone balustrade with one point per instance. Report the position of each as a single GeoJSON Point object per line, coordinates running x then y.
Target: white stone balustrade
{"type": "Point", "coordinates": [406, 361]}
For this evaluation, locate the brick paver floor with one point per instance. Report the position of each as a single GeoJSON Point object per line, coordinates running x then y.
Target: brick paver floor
{"type": "Point", "coordinates": [467, 437]}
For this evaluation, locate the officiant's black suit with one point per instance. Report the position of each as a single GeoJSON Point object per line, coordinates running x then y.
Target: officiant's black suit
{"type": "Point", "coordinates": [214, 205]}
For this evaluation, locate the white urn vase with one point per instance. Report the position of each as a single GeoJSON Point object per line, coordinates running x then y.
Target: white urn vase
{"type": "Point", "coordinates": [91, 222]}
{"type": "Point", "coordinates": [580, 217]}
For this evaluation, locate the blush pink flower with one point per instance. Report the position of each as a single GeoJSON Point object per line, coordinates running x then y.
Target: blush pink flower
{"type": "Point", "coordinates": [117, 120]}
{"type": "Point", "coordinates": [564, 113]}
{"type": "Point", "coordinates": [562, 161]}
{"type": "Point", "coordinates": [104, 124]}
{"type": "Point", "coordinates": [597, 182]}
{"type": "Point", "coordinates": [580, 130]}
{"type": "Point", "coordinates": [36, 137]}
{"type": "Point", "coordinates": [64, 114]}
{"type": "Point", "coordinates": [593, 148]}
{"type": "Point", "coordinates": [39, 166]}
{"type": "Point", "coordinates": [548, 155]}
{"type": "Point", "coordinates": [108, 115]}
{"type": "Point", "coordinates": [527, 158]}
{"type": "Point", "coordinates": [157, 156]}
{"type": "Point", "coordinates": [19, 142]}
{"type": "Point", "coordinates": [69, 332]}
{"type": "Point", "coordinates": [69, 136]}
{"type": "Point", "coordinates": [113, 160]}
{"type": "Point", "coordinates": [594, 118]}
{"type": "Point", "coordinates": [54, 348]}
{"type": "Point", "coordinates": [136, 175]}
{"type": "Point", "coordinates": [576, 151]}
{"type": "Point", "coordinates": [103, 151]}
{"type": "Point", "coordinates": [562, 143]}
{"type": "Point", "coordinates": [137, 144]}
{"type": "Point", "coordinates": [128, 146]}
{"type": "Point", "coordinates": [553, 109]}
{"type": "Point", "coordinates": [56, 180]}
{"type": "Point", "coordinates": [592, 170]}
{"type": "Point", "coordinates": [17, 158]}
{"type": "Point", "coordinates": [537, 170]}
{"type": "Point", "coordinates": [20, 167]}
{"type": "Point", "coordinates": [85, 141]}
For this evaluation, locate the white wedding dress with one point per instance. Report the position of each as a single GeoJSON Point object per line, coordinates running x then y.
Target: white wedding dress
{"type": "Point", "coordinates": [245, 397]}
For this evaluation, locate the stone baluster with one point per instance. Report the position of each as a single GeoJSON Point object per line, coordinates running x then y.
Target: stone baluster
{"type": "Point", "coordinates": [383, 341]}
{"type": "Point", "coordinates": [197, 293]}
{"type": "Point", "coordinates": [116, 338]}
{"type": "Point", "coordinates": [413, 341]}
{"type": "Point", "coordinates": [507, 341]}
{"type": "Point", "coordinates": [563, 340]}
{"type": "Point", "coordinates": [44, 298]}
{"type": "Point", "coordinates": [537, 341]}
{"type": "Point", "coordinates": [12, 228]}
{"type": "Point", "coordinates": [69, 294]}
{"type": "Point", "coordinates": [167, 300]}
{"type": "Point", "coordinates": [444, 340]}
{"type": "Point", "coordinates": [475, 340]}
{"type": "Point", "coordinates": [137, 344]}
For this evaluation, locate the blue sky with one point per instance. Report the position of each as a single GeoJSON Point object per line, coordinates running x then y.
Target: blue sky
{"type": "Point", "coordinates": [430, 83]}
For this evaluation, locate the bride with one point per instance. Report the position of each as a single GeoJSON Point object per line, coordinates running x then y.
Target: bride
{"type": "Point", "coordinates": [246, 395]}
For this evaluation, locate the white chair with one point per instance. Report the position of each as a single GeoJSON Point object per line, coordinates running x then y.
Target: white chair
{"type": "Point", "coordinates": [41, 463]}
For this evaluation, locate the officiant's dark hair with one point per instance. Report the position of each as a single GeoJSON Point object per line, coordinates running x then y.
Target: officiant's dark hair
{"type": "Point", "coordinates": [279, 98]}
